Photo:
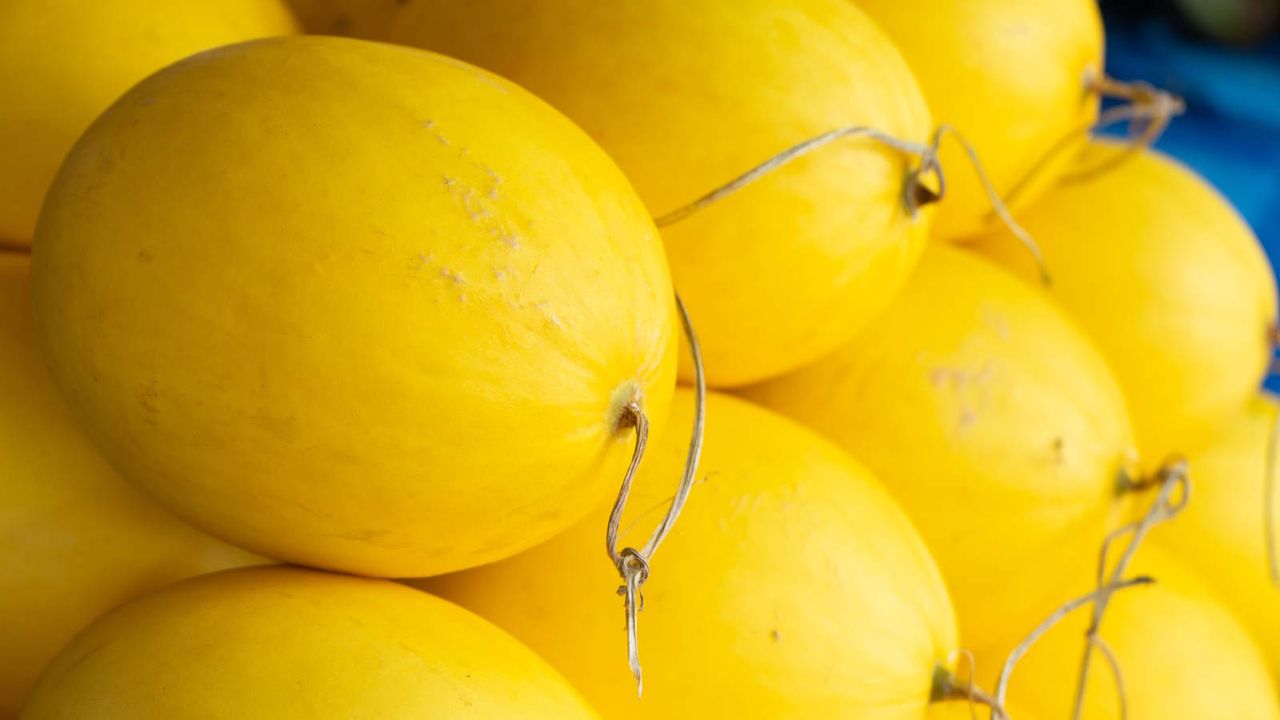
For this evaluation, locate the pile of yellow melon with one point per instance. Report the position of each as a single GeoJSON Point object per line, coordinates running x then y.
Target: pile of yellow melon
{"type": "Point", "coordinates": [366, 378]}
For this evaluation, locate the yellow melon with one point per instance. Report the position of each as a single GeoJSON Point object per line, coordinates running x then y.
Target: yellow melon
{"type": "Point", "coordinates": [75, 539]}
{"type": "Point", "coordinates": [353, 305]}
{"type": "Point", "coordinates": [1012, 76]}
{"type": "Point", "coordinates": [286, 643]}
{"type": "Point", "coordinates": [792, 586]}
{"type": "Point", "coordinates": [994, 423]}
{"type": "Point", "coordinates": [1182, 653]}
{"type": "Point", "coordinates": [62, 62]}
{"type": "Point", "coordinates": [686, 96]}
{"type": "Point", "coordinates": [1167, 280]}
{"type": "Point", "coordinates": [1222, 532]}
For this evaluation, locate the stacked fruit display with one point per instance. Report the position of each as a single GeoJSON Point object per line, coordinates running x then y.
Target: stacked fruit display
{"type": "Point", "coordinates": [349, 378]}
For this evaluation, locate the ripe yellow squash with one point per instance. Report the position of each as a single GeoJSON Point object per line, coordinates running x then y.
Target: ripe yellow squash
{"type": "Point", "coordinates": [1012, 76]}
{"type": "Point", "coordinates": [1222, 535]}
{"type": "Point", "coordinates": [62, 62]}
{"type": "Point", "coordinates": [792, 586]}
{"type": "Point", "coordinates": [686, 96]}
{"type": "Point", "coordinates": [287, 643]}
{"type": "Point", "coordinates": [75, 539]}
{"type": "Point", "coordinates": [1182, 653]}
{"type": "Point", "coordinates": [994, 423]}
{"type": "Point", "coordinates": [353, 305]}
{"type": "Point", "coordinates": [1170, 284]}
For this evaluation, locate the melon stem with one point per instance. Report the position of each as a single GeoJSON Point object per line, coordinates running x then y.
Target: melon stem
{"type": "Point", "coordinates": [632, 563]}
{"type": "Point", "coordinates": [999, 205]}
{"type": "Point", "coordinates": [948, 688]}
{"type": "Point", "coordinates": [1022, 648]}
{"type": "Point", "coordinates": [1148, 109]}
{"type": "Point", "coordinates": [914, 194]}
{"type": "Point", "coordinates": [1173, 495]}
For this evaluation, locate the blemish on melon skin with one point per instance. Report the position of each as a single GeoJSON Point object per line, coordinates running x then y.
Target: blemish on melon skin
{"type": "Point", "coordinates": [430, 126]}
{"type": "Point", "coordinates": [148, 400]}
{"type": "Point", "coordinates": [453, 276]}
{"type": "Point", "coordinates": [1059, 453]}
{"type": "Point", "coordinates": [544, 307]}
{"type": "Point", "coordinates": [495, 181]}
{"type": "Point", "coordinates": [474, 207]}
{"type": "Point", "coordinates": [509, 238]}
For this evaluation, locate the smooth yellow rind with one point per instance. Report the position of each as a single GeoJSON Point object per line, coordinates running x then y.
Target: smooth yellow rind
{"type": "Point", "coordinates": [286, 643]}
{"type": "Point", "coordinates": [352, 305]}
{"type": "Point", "coordinates": [1167, 280]}
{"type": "Point", "coordinates": [1222, 533]}
{"type": "Point", "coordinates": [62, 62]}
{"type": "Point", "coordinates": [792, 586]}
{"type": "Point", "coordinates": [1182, 653]}
{"type": "Point", "coordinates": [1012, 76]}
{"type": "Point", "coordinates": [75, 539]}
{"type": "Point", "coordinates": [993, 422]}
{"type": "Point", "coordinates": [687, 96]}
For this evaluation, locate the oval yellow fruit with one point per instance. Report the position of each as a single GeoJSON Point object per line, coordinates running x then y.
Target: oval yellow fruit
{"type": "Point", "coordinates": [353, 305]}
{"type": "Point", "coordinates": [1012, 76]}
{"type": "Point", "coordinates": [75, 539]}
{"type": "Point", "coordinates": [792, 586]}
{"type": "Point", "coordinates": [352, 18]}
{"type": "Point", "coordinates": [992, 421]}
{"type": "Point", "coordinates": [1183, 655]}
{"type": "Point", "coordinates": [1221, 534]}
{"type": "Point", "coordinates": [686, 96]}
{"type": "Point", "coordinates": [1169, 282]}
{"type": "Point", "coordinates": [287, 643]}
{"type": "Point", "coordinates": [62, 62]}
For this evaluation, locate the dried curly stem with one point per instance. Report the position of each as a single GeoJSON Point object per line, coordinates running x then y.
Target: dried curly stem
{"type": "Point", "coordinates": [947, 687]}
{"type": "Point", "coordinates": [1021, 649]}
{"type": "Point", "coordinates": [1114, 663]}
{"type": "Point", "coordinates": [913, 195]}
{"type": "Point", "coordinates": [916, 191]}
{"type": "Point", "coordinates": [632, 563]}
{"type": "Point", "coordinates": [1171, 478]}
{"type": "Point", "coordinates": [1148, 109]}
{"type": "Point", "coordinates": [999, 205]}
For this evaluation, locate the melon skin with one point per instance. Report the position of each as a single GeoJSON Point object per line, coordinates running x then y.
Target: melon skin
{"type": "Point", "coordinates": [317, 295]}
